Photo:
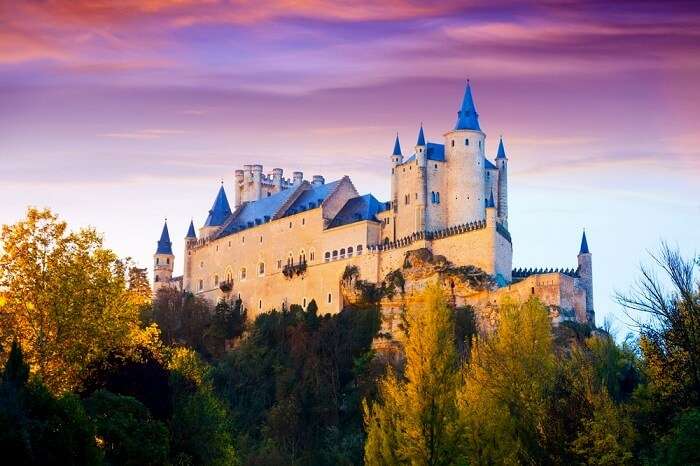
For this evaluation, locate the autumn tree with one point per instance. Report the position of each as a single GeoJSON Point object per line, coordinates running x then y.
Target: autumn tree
{"type": "Point", "coordinates": [64, 298]}
{"type": "Point", "coordinates": [508, 380]}
{"type": "Point", "coordinates": [415, 420]}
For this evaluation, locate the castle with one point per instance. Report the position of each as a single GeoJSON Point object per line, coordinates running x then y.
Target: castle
{"type": "Point", "coordinates": [288, 241]}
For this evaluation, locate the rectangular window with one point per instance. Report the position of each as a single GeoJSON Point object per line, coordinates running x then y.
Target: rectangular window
{"type": "Point", "coordinates": [329, 298]}
{"type": "Point", "coordinates": [466, 142]}
{"type": "Point", "coordinates": [201, 284]}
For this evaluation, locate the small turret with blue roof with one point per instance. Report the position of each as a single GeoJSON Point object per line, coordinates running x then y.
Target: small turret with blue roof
{"type": "Point", "coordinates": [501, 154]}
{"type": "Point", "coordinates": [163, 260]}
{"type": "Point", "coordinates": [219, 211]}
{"type": "Point", "coordinates": [190, 232]}
{"type": "Point", "coordinates": [467, 117]}
{"type": "Point", "coordinates": [397, 156]}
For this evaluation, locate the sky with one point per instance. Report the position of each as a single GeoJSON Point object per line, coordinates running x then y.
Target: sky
{"type": "Point", "coordinates": [117, 114]}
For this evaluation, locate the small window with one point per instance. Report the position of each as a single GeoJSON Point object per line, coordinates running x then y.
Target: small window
{"type": "Point", "coordinates": [311, 256]}
{"type": "Point", "coordinates": [479, 144]}
{"type": "Point", "coordinates": [157, 278]}
{"type": "Point", "coordinates": [436, 166]}
{"type": "Point", "coordinates": [217, 247]}
{"type": "Point", "coordinates": [453, 143]}
{"type": "Point", "coordinates": [466, 142]}
{"type": "Point", "coordinates": [335, 254]}
{"type": "Point", "coordinates": [229, 244]}
{"type": "Point", "coordinates": [157, 261]}
{"type": "Point", "coordinates": [350, 251]}
{"type": "Point", "coordinates": [279, 264]}
{"type": "Point", "coordinates": [261, 239]}
{"type": "Point", "coordinates": [201, 285]}
{"type": "Point", "coordinates": [201, 265]}
{"type": "Point", "coordinates": [437, 196]}
{"type": "Point", "coordinates": [304, 303]}
{"type": "Point", "coordinates": [167, 260]}
{"type": "Point", "coordinates": [359, 249]}
{"type": "Point", "coordinates": [532, 290]}
{"type": "Point", "coordinates": [260, 304]}
{"type": "Point", "coordinates": [243, 273]}
{"type": "Point", "coordinates": [243, 239]}
{"type": "Point", "coordinates": [290, 224]}
{"type": "Point", "coordinates": [330, 298]}
{"type": "Point", "coordinates": [416, 196]}
{"type": "Point", "coordinates": [303, 221]}
{"type": "Point", "coordinates": [342, 253]}
{"type": "Point", "coordinates": [327, 256]}
{"type": "Point", "coordinates": [261, 268]}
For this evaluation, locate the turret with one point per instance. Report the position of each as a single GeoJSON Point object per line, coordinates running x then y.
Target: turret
{"type": "Point", "coordinates": [464, 153]}
{"type": "Point", "coordinates": [396, 155]}
{"type": "Point", "coordinates": [256, 171]}
{"type": "Point", "coordinates": [190, 242]}
{"type": "Point", "coordinates": [163, 261]}
{"type": "Point", "coordinates": [277, 179]}
{"type": "Point", "coordinates": [318, 180]}
{"type": "Point", "coordinates": [502, 165]}
{"type": "Point", "coordinates": [239, 186]}
{"type": "Point", "coordinates": [297, 178]}
{"type": "Point", "coordinates": [421, 148]}
{"type": "Point", "coordinates": [491, 211]}
{"type": "Point", "coordinates": [585, 277]}
{"type": "Point", "coordinates": [218, 214]}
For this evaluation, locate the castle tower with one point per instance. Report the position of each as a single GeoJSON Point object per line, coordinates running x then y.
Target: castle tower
{"type": "Point", "coordinates": [585, 274]}
{"type": "Point", "coordinates": [277, 174]}
{"type": "Point", "coordinates": [218, 214]}
{"type": "Point", "coordinates": [163, 261]}
{"type": "Point", "coordinates": [502, 165]}
{"type": "Point", "coordinates": [190, 241]}
{"type": "Point", "coordinates": [422, 159]}
{"type": "Point", "coordinates": [256, 171]}
{"type": "Point", "coordinates": [397, 156]}
{"type": "Point", "coordinates": [464, 153]}
{"type": "Point", "coordinates": [239, 185]}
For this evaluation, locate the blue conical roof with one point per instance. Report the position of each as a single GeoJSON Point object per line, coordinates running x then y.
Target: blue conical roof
{"type": "Point", "coordinates": [190, 231]}
{"type": "Point", "coordinates": [467, 118]}
{"type": "Point", "coordinates": [421, 137]}
{"type": "Point", "coordinates": [490, 202]}
{"type": "Point", "coordinates": [501, 150]}
{"type": "Point", "coordinates": [397, 146]}
{"type": "Point", "coordinates": [219, 211]}
{"type": "Point", "coordinates": [165, 246]}
{"type": "Point", "coordinates": [584, 244]}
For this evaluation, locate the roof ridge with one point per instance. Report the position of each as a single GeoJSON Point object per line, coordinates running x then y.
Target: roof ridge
{"type": "Point", "coordinates": [282, 209]}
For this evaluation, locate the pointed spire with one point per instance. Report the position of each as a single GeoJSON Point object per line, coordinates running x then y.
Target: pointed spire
{"type": "Point", "coordinates": [584, 244]}
{"type": "Point", "coordinates": [501, 150]}
{"type": "Point", "coordinates": [467, 118]}
{"type": "Point", "coordinates": [165, 246]}
{"type": "Point", "coordinates": [190, 231]}
{"type": "Point", "coordinates": [421, 136]}
{"type": "Point", "coordinates": [219, 211]}
{"type": "Point", "coordinates": [397, 146]}
{"type": "Point", "coordinates": [490, 202]}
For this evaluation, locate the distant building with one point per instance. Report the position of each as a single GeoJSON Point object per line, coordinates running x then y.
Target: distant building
{"type": "Point", "coordinates": [289, 241]}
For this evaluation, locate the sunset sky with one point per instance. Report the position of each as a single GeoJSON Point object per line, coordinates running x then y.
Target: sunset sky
{"type": "Point", "coordinates": [118, 114]}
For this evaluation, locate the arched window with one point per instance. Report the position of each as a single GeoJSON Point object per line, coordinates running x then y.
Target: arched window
{"type": "Point", "coordinates": [312, 253]}
{"type": "Point", "coordinates": [290, 258]}
{"type": "Point", "coordinates": [327, 256]}
{"type": "Point", "coordinates": [359, 249]}
{"type": "Point", "coordinates": [342, 253]}
{"type": "Point", "coordinates": [437, 198]}
{"type": "Point", "coordinates": [261, 268]}
{"type": "Point", "coordinates": [350, 251]}
{"type": "Point", "coordinates": [157, 261]}
{"type": "Point", "coordinates": [201, 285]}
{"type": "Point", "coordinates": [466, 142]}
{"type": "Point", "coordinates": [243, 273]}
{"type": "Point", "coordinates": [335, 254]}
{"type": "Point", "coordinates": [302, 256]}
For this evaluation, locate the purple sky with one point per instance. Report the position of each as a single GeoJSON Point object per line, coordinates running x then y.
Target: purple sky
{"type": "Point", "coordinates": [117, 114]}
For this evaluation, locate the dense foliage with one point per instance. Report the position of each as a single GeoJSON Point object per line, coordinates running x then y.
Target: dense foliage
{"type": "Point", "coordinates": [94, 373]}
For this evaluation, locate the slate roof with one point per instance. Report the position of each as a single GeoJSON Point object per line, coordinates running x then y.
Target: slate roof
{"type": "Point", "coordinates": [584, 245]}
{"type": "Point", "coordinates": [356, 209]}
{"type": "Point", "coordinates": [165, 246]}
{"type": "Point", "coordinates": [219, 211]}
{"type": "Point", "coordinates": [467, 117]}
{"type": "Point", "coordinates": [436, 151]}
{"type": "Point", "coordinates": [421, 137]}
{"type": "Point", "coordinates": [190, 231]}
{"type": "Point", "coordinates": [501, 150]}
{"type": "Point", "coordinates": [312, 198]}
{"type": "Point", "coordinates": [397, 146]}
{"type": "Point", "coordinates": [262, 211]}
{"type": "Point", "coordinates": [489, 165]}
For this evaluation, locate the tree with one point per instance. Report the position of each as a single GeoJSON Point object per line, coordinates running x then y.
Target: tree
{"type": "Point", "coordinates": [125, 430]}
{"type": "Point", "coordinates": [36, 428]}
{"type": "Point", "coordinates": [65, 298]}
{"type": "Point", "coordinates": [416, 420]}
{"type": "Point", "coordinates": [508, 380]}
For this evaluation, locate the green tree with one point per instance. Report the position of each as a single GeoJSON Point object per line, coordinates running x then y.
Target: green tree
{"type": "Point", "coordinates": [125, 430]}
{"type": "Point", "coordinates": [508, 381]}
{"type": "Point", "coordinates": [64, 296]}
{"type": "Point", "coordinates": [416, 420]}
{"type": "Point", "coordinates": [36, 428]}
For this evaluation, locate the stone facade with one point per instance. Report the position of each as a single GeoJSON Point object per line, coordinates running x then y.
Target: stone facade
{"type": "Point", "coordinates": [288, 241]}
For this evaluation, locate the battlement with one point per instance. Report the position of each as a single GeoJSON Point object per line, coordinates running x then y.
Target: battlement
{"type": "Point", "coordinates": [252, 184]}
{"type": "Point", "coordinates": [521, 273]}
